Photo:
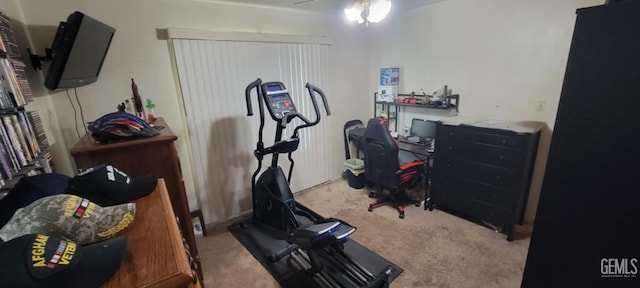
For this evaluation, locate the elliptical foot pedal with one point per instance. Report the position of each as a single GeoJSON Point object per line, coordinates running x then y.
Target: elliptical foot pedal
{"type": "Point", "coordinates": [344, 230]}
{"type": "Point", "coordinates": [314, 230]}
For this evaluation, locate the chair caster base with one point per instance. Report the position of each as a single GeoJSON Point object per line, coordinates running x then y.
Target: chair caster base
{"type": "Point", "coordinates": [370, 209]}
{"type": "Point", "coordinates": [401, 215]}
{"type": "Point", "coordinates": [429, 205]}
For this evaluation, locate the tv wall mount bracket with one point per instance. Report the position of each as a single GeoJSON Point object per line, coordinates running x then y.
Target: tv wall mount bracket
{"type": "Point", "coordinates": [36, 60]}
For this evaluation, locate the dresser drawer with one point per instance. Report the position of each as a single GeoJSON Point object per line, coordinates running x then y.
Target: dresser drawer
{"type": "Point", "coordinates": [464, 188]}
{"type": "Point", "coordinates": [481, 135]}
{"type": "Point", "coordinates": [478, 210]}
{"type": "Point", "coordinates": [478, 172]}
{"type": "Point", "coordinates": [479, 152]}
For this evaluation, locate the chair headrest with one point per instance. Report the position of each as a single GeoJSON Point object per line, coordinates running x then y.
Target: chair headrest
{"type": "Point", "coordinates": [378, 129]}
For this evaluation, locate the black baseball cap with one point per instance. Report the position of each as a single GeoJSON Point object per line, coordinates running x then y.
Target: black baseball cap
{"type": "Point", "coordinates": [105, 185]}
{"type": "Point", "coordinates": [29, 189]}
{"type": "Point", "coordinates": [43, 261]}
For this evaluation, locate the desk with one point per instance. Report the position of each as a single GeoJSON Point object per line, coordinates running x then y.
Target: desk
{"type": "Point", "coordinates": [420, 152]}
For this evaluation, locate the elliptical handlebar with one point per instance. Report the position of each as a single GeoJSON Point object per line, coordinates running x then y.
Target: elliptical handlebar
{"type": "Point", "coordinates": [307, 123]}
{"type": "Point", "coordinates": [247, 93]}
{"type": "Point", "coordinates": [313, 88]}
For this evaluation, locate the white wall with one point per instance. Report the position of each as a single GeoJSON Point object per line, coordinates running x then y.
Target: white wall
{"type": "Point", "coordinates": [501, 56]}
{"type": "Point", "coordinates": [137, 52]}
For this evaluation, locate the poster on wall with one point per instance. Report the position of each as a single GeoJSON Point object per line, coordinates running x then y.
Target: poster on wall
{"type": "Point", "coordinates": [389, 76]}
{"type": "Point", "coordinates": [389, 80]}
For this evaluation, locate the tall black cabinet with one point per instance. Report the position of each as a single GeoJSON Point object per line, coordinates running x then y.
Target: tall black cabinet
{"type": "Point", "coordinates": [587, 227]}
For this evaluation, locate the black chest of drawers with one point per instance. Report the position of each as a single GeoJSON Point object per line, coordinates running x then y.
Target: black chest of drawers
{"type": "Point", "coordinates": [484, 173]}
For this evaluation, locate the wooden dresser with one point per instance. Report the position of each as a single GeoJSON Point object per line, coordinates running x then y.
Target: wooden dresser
{"type": "Point", "coordinates": [155, 253]}
{"type": "Point", "coordinates": [482, 169]}
{"type": "Point", "coordinates": [155, 155]}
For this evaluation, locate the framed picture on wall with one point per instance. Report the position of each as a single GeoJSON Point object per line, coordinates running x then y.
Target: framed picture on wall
{"type": "Point", "coordinates": [389, 76]}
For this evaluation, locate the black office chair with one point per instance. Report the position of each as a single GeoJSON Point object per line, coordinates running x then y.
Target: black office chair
{"type": "Point", "coordinates": [383, 168]}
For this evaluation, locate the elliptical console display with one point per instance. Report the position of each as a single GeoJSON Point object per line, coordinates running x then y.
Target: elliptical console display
{"type": "Point", "coordinates": [278, 100]}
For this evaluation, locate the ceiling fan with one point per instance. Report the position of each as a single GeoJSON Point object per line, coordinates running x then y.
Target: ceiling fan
{"type": "Point", "coordinates": [363, 11]}
{"type": "Point", "coordinates": [303, 1]}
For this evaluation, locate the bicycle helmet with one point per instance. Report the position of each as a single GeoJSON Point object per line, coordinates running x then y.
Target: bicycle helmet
{"type": "Point", "coordinates": [120, 126]}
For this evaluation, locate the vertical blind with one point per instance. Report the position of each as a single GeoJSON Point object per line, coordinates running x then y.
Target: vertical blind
{"type": "Point", "coordinates": [213, 75]}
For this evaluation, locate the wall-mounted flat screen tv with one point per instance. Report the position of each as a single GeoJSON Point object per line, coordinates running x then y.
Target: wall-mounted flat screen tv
{"type": "Point", "coordinates": [78, 49]}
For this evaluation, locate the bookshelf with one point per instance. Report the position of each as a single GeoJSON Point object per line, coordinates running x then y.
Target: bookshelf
{"type": "Point", "coordinates": [23, 143]}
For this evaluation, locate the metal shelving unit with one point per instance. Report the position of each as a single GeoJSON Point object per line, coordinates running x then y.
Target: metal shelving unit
{"type": "Point", "coordinates": [450, 102]}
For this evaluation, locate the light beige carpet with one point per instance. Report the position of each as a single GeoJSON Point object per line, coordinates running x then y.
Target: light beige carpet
{"type": "Point", "coordinates": [436, 249]}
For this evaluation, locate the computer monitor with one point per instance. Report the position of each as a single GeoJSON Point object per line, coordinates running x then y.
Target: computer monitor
{"type": "Point", "coordinates": [425, 129]}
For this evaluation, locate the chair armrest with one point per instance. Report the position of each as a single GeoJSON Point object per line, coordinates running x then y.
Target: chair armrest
{"type": "Point", "coordinates": [411, 166]}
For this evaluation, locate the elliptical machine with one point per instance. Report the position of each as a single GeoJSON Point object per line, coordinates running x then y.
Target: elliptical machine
{"type": "Point", "coordinates": [315, 242]}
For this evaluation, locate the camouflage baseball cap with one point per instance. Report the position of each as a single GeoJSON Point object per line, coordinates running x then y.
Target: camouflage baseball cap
{"type": "Point", "coordinates": [70, 217]}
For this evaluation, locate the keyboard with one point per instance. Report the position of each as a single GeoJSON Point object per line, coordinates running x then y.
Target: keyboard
{"type": "Point", "coordinates": [415, 140]}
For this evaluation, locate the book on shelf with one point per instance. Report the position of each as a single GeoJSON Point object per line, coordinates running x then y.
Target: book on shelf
{"type": "Point", "coordinates": [5, 161]}
{"type": "Point", "coordinates": [30, 136]}
{"type": "Point", "coordinates": [10, 43]}
{"type": "Point", "coordinates": [38, 129]}
{"type": "Point", "coordinates": [8, 85]}
{"type": "Point", "coordinates": [23, 83]}
{"type": "Point", "coordinates": [45, 162]}
{"type": "Point", "coordinates": [8, 146]}
{"type": "Point", "coordinates": [26, 150]}
{"type": "Point", "coordinates": [16, 89]}
{"type": "Point", "coordinates": [15, 142]}
{"type": "Point", "coordinates": [5, 103]}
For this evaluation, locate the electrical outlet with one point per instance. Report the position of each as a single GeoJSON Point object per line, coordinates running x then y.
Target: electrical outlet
{"type": "Point", "coordinates": [540, 105]}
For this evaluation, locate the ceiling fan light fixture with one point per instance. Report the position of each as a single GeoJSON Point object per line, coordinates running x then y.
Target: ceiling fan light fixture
{"type": "Point", "coordinates": [355, 12]}
{"type": "Point", "coordinates": [378, 10]}
{"type": "Point", "coordinates": [368, 11]}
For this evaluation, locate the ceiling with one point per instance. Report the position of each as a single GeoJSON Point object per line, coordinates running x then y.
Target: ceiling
{"type": "Point", "coordinates": [323, 6]}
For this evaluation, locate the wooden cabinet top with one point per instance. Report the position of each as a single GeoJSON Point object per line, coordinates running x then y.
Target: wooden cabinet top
{"type": "Point", "coordinates": [89, 145]}
{"type": "Point", "coordinates": [155, 253]}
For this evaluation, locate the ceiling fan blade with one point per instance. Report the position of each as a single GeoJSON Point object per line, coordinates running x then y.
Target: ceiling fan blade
{"type": "Point", "coordinates": [303, 1]}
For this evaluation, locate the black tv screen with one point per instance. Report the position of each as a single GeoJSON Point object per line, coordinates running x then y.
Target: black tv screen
{"type": "Point", "coordinates": [78, 49]}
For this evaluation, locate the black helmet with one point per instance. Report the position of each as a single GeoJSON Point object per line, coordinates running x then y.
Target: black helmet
{"type": "Point", "coordinates": [119, 126]}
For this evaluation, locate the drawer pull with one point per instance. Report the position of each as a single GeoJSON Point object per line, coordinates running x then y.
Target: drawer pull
{"type": "Point", "coordinates": [498, 177]}
{"type": "Point", "coordinates": [450, 147]}
{"type": "Point", "coordinates": [501, 157]}
{"type": "Point", "coordinates": [504, 141]}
